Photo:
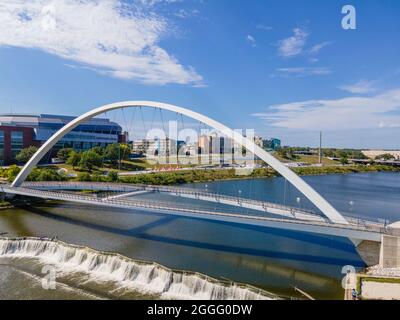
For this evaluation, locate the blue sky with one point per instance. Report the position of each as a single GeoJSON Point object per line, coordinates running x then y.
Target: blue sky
{"type": "Point", "coordinates": [285, 68]}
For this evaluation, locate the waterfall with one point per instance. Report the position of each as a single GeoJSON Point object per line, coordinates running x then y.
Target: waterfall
{"type": "Point", "coordinates": [141, 276]}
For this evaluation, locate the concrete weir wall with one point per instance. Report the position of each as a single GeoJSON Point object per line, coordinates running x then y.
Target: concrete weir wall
{"type": "Point", "coordinates": [390, 252]}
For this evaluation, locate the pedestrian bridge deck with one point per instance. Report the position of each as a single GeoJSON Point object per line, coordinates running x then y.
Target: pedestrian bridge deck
{"type": "Point", "coordinates": [127, 190]}
{"type": "Point", "coordinates": [356, 229]}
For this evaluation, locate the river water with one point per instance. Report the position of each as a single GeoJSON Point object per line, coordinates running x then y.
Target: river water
{"type": "Point", "coordinates": [271, 259]}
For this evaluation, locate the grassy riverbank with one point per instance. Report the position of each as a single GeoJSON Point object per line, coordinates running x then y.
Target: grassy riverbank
{"type": "Point", "coordinates": [19, 201]}
{"type": "Point", "coordinates": [344, 169]}
{"type": "Point", "coordinates": [199, 175]}
{"type": "Point", "coordinates": [179, 177]}
{"type": "Point", "coordinates": [170, 178]}
{"type": "Point", "coordinates": [4, 204]}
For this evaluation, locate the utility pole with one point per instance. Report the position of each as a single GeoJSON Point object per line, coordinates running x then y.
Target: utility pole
{"type": "Point", "coordinates": [320, 147]}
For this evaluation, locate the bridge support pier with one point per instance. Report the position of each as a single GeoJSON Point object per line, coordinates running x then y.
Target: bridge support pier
{"type": "Point", "coordinates": [385, 253]}
{"type": "Point", "coordinates": [5, 195]}
{"type": "Point", "coordinates": [369, 252]}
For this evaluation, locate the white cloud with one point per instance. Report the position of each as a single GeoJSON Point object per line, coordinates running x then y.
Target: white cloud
{"type": "Point", "coordinates": [317, 48]}
{"type": "Point", "coordinates": [301, 71]}
{"type": "Point", "coordinates": [250, 39]}
{"type": "Point", "coordinates": [108, 36]}
{"type": "Point", "coordinates": [264, 27]}
{"type": "Point", "coordinates": [362, 86]}
{"type": "Point", "coordinates": [379, 111]}
{"type": "Point", "coordinates": [152, 3]}
{"type": "Point", "coordinates": [293, 45]}
{"type": "Point", "coordinates": [182, 13]}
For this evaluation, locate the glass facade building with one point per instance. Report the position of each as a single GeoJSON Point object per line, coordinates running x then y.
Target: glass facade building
{"type": "Point", "coordinates": [1, 147]}
{"type": "Point", "coordinates": [18, 131]}
{"type": "Point", "coordinates": [17, 142]}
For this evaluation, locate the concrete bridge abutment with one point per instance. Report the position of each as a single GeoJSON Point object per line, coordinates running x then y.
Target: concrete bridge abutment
{"type": "Point", "coordinates": [390, 252]}
{"type": "Point", "coordinates": [385, 253]}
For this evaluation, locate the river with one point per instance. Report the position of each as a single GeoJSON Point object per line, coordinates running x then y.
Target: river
{"type": "Point", "coordinates": [271, 259]}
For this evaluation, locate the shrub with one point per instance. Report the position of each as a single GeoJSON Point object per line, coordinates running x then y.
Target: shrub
{"type": "Point", "coordinates": [45, 175]}
{"type": "Point", "coordinates": [12, 172]}
{"type": "Point", "coordinates": [64, 153]}
{"type": "Point", "coordinates": [84, 176]}
{"type": "Point", "coordinates": [112, 176]}
{"type": "Point", "coordinates": [49, 175]}
{"type": "Point", "coordinates": [97, 177]}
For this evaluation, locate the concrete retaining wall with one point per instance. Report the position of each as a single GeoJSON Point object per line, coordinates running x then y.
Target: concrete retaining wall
{"type": "Point", "coordinates": [390, 252]}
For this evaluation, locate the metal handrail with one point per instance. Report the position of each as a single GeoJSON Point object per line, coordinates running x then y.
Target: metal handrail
{"type": "Point", "coordinates": [176, 190]}
{"type": "Point", "coordinates": [157, 206]}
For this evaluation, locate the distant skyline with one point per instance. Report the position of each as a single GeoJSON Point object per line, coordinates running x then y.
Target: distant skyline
{"type": "Point", "coordinates": [284, 68]}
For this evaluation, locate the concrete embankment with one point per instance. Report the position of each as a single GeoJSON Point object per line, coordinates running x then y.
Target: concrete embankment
{"type": "Point", "coordinates": [381, 281]}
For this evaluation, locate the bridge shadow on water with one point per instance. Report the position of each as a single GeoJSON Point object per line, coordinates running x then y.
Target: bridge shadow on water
{"type": "Point", "coordinates": [336, 243]}
{"type": "Point", "coordinates": [140, 233]}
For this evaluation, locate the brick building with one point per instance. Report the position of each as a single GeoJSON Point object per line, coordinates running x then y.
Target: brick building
{"type": "Point", "coordinates": [19, 131]}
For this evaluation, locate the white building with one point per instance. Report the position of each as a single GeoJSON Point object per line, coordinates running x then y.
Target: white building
{"type": "Point", "coordinates": [141, 146]}
{"type": "Point", "coordinates": [156, 147]}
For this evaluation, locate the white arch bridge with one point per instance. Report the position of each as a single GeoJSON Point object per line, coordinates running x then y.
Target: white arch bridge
{"type": "Point", "coordinates": [331, 222]}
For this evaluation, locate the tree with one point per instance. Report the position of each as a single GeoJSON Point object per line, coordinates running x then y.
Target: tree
{"type": "Point", "coordinates": [25, 154]}
{"type": "Point", "coordinates": [116, 152]}
{"type": "Point", "coordinates": [64, 153]}
{"type": "Point", "coordinates": [286, 153]}
{"type": "Point", "coordinates": [282, 153]}
{"type": "Point", "coordinates": [74, 159]}
{"type": "Point", "coordinates": [12, 172]}
{"type": "Point", "coordinates": [84, 176]}
{"type": "Point", "coordinates": [99, 150]}
{"type": "Point", "coordinates": [344, 160]}
{"type": "Point", "coordinates": [45, 175]}
{"type": "Point", "coordinates": [97, 177]}
{"type": "Point", "coordinates": [89, 160]}
{"type": "Point", "coordinates": [329, 153]}
{"type": "Point", "coordinates": [126, 150]}
{"type": "Point", "coordinates": [290, 154]}
{"type": "Point", "coordinates": [112, 176]}
{"type": "Point", "coordinates": [386, 156]}
{"type": "Point", "coordinates": [112, 152]}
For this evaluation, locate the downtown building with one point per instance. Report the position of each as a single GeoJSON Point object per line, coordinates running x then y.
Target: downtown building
{"type": "Point", "coordinates": [19, 131]}
{"type": "Point", "coordinates": [214, 144]}
{"type": "Point", "coordinates": [156, 147]}
{"type": "Point", "coordinates": [272, 144]}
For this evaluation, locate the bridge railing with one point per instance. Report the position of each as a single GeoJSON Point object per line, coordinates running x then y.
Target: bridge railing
{"type": "Point", "coordinates": [177, 191]}
{"type": "Point", "coordinates": [196, 192]}
{"type": "Point", "coordinates": [365, 226]}
{"type": "Point", "coordinates": [92, 197]}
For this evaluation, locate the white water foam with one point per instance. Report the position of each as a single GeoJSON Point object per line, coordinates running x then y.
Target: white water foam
{"type": "Point", "coordinates": [144, 277]}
